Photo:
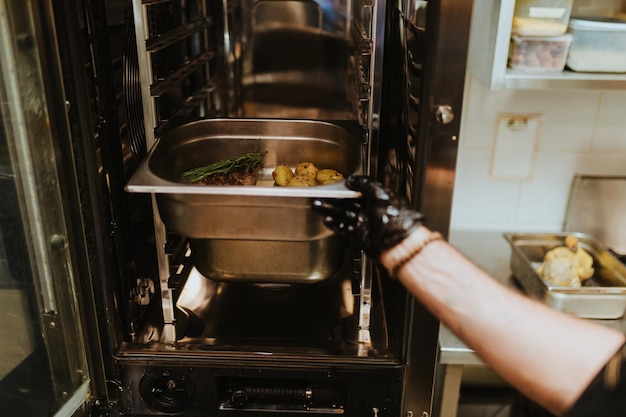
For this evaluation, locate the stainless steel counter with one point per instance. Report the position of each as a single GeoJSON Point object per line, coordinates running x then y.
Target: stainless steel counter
{"type": "Point", "coordinates": [490, 251]}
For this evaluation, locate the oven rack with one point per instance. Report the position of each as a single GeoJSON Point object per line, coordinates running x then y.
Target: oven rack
{"type": "Point", "coordinates": [165, 85]}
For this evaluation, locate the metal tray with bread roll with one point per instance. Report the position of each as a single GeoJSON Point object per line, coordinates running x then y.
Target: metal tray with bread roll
{"type": "Point", "coordinates": [603, 296]}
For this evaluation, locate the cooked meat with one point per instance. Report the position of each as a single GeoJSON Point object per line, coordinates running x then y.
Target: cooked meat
{"type": "Point", "coordinates": [239, 170]}
{"type": "Point", "coordinates": [241, 177]}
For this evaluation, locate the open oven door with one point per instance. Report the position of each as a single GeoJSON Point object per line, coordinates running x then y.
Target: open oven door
{"type": "Point", "coordinates": [44, 303]}
{"type": "Point", "coordinates": [425, 65]}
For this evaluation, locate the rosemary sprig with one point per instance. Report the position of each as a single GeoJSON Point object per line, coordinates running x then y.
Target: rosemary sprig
{"type": "Point", "coordinates": [247, 162]}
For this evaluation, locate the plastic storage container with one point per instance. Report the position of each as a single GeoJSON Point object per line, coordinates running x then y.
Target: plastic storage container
{"type": "Point", "coordinates": [541, 17]}
{"type": "Point", "coordinates": [598, 45]}
{"type": "Point", "coordinates": [539, 54]}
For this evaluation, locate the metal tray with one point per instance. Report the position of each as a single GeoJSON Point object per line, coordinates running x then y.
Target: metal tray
{"type": "Point", "coordinates": [261, 233]}
{"type": "Point", "coordinates": [263, 211]}
{"type": "Point", "coordinates": [602, 296]}
{"type": "Point", "coordinates": [269, 261]}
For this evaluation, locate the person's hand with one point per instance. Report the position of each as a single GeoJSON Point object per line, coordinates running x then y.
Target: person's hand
{"type": "Point", "coordinates": [376, 221]}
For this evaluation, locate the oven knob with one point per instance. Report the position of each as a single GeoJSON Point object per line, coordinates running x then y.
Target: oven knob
{"type": "Point", "coordinates": [239, 397]}
{"type": "Point", "coordinates": [444, 114]}
{"type": "Point", "coordinates": [167, 391]}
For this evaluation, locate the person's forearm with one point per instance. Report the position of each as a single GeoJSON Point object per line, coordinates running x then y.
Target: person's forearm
{"type": "Point", "coordinates": [547, 355]}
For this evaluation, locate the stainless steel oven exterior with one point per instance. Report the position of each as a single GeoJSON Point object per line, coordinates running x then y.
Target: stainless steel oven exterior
{"type": "Point", "coordinates": [167, 340]}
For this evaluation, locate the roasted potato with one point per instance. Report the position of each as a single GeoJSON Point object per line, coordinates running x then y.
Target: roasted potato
{"type": "Point", "coordinates": [307, 168]}
{"type": "Point", "coordinates": [302, 180]}
{"type": "Point", "coordinates": [306, 174]}
{"type": "Point", "coordinates": [282, 175]}
{"type": "Point", "coordinates": [328, 176]}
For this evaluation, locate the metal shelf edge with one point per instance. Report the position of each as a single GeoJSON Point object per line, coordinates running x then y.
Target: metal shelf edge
{"type": "Point", "coordinates": [564, 80]}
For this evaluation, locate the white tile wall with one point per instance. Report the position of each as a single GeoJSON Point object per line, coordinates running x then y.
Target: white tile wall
{"type": "Point", "coordinates": [582, 132]}
{"type": "Point", "coordinates": [610, 132]}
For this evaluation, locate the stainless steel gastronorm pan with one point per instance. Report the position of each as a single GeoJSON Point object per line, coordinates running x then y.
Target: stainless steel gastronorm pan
{"type": "Point", "coordinates": [264, 211]}
{"type": "Point", "coordinates": [602, 296]}
{"type": "Point", "coordinates": [268, 261]}
{"type": "Point", "coordinates": [224, 223]}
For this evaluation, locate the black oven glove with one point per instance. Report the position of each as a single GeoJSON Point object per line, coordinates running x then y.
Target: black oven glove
{"type": "Point", "coordinates": [376, 221]}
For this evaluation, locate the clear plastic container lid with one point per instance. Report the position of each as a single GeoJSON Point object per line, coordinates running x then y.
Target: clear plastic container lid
{"type": "Point", "coordinates": [598, 24]}
{"type": "Point", "coordinates": [563, 38]}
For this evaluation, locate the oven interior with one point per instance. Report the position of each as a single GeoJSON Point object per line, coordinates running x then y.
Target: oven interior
{"type": "Point", "coordinates": [252, 320]}
{"type": "Point", "coordinates": [266, 63]}
{"type": "Point", "coordinates": [249, 58]}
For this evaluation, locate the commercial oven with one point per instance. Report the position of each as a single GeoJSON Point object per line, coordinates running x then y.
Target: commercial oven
{"type": "Point", "coordinates": [131, 293]}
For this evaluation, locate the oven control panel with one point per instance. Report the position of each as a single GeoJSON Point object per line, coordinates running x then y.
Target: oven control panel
{"type": "Point", "coordinates": [195, 391]}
